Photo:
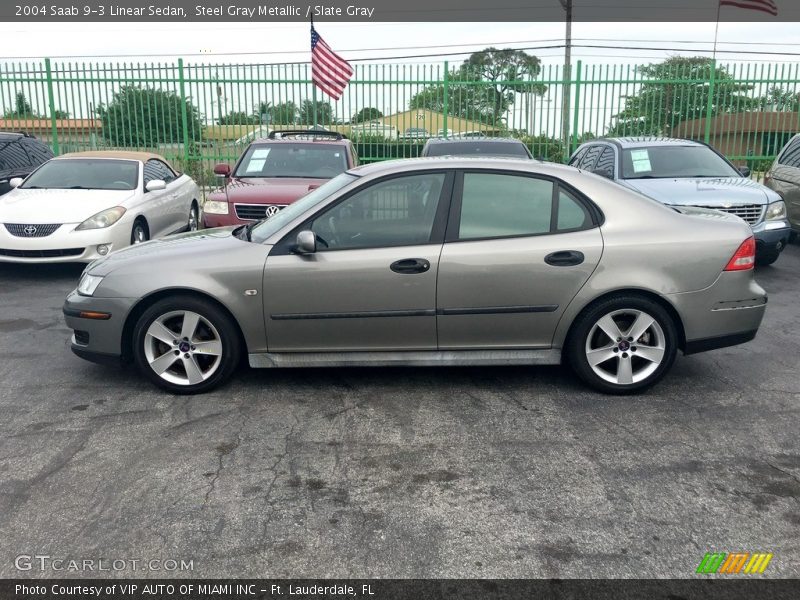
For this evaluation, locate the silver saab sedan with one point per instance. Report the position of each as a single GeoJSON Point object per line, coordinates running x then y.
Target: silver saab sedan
{"type": "Point", "coordinates": [447, 261]}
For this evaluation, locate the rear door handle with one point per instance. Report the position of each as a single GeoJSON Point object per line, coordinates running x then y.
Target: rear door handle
{"type": "Point", "coordinates": [564, 258]}
{"type": "Point", "coordinates": [410, 266]}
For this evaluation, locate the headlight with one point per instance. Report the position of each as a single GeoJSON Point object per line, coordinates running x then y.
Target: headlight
{"type": "Point", "coordinates": [776, 210]}
{"type": "Point", "coordinates": [215, 207]}
{"type": "Point", "coordinates": [88, 284]}
{"type": "Point", "coordinates": [102, 219]}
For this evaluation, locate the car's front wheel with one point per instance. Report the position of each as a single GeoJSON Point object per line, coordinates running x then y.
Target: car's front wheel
{"type": "Point", "coordinates": [186, 345]}
{"type": "Point", "coordinates": [623, 345]}
{"type": "Point", "coordinates": [194, 220]}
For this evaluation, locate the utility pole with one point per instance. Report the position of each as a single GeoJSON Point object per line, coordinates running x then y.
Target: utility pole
{"type": "Point", "coordinates": [565, 97]}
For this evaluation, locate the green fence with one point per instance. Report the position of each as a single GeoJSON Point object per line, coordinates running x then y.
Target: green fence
{"type": "Point", "coordinates": [200, 114]}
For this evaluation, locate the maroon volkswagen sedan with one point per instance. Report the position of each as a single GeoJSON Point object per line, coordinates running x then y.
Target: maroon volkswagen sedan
{"type": "Point", "coordinates": [274, 172]}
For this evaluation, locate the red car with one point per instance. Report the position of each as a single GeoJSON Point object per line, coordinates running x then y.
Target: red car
{"type": "Point", "coordinates": [274, 172]}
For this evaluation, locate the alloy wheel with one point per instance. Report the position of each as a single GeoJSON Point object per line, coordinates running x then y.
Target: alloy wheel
{"type": "Point", "coordinates": [139, 234]}
{"type": "Point", "coordinates": [183, 347]}
{"type": "Point", "coordinates": [625, 346]}
{"type": "Point", "coordinates": [193, 219]}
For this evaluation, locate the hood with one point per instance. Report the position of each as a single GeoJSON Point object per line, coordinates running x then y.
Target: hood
{"type": "Point", "coordinates": [708, 213]}
{"type": "Point", "coordinates": [57, 206]}
{"type": "Point", "coordinates": [188, 245]}
{"type": "Point", "coordinates": [724, 192]}
{"type": "Point", "coordinates": [266, 190]}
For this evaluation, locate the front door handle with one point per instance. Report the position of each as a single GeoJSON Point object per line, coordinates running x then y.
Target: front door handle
{"type": "Point", "coordinates": [410, 266]}
{"type": "Point", "coordinates": [564, 258]}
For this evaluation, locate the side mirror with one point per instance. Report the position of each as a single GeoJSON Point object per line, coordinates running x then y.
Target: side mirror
{"type": "Point", "coordinates": [156, 185]}
{"type": "Point", "coordinates": [222, 170]}
{"type": "Point", "coordinates": [602, 173]}
{"type": "Point", "coordinates": [306, 243]}
{"type": "Point", "coordinates": [15, 182]}
{"type": "Point", "coordinates": [745, 171]}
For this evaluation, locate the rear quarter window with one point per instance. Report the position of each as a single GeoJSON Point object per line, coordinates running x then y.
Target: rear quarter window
{"type": "Point", "coordinates": [790, 157]}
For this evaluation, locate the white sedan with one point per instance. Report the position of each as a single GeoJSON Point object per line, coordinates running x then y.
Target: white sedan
{"type": "Point", "coordinates": [81, 206]}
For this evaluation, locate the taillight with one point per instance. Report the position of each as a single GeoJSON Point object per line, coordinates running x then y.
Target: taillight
{"type": "Point", "coordinates": [744, 258]}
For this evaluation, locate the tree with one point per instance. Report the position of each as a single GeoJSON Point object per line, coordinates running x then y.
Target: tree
{"type": "Point", "coordinates": [238, 118]}
{"type": "Point", "coordinates": [324, 112]}
{"type": "Point", "coordinates": [145, 117]}
{"type": "Point", "coordinates": [677, 90]}
{"type": "Point", "coordinates": [780, 100]}
{"type": "Point", "coordinates": [485, 86]}
{"type": "Point", "coordinates": [284, 113]}
{"type": "Point", "coordinates": [22, 109]}
{"type": "Point", "coordinates": [366, 114]}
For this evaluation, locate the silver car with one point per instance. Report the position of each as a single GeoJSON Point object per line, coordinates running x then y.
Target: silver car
{"type": "Point", "coordinates": [447, 261]}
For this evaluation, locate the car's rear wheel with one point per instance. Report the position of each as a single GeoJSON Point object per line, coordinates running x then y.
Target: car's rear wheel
{"type": "Point", "coordinates": [623, 345]}
{"type": "Point", "coordinates": [765, 259]}
{"type": "Point", "coordinates": [140, 233]}
{"type": "Point", "coordinates": [186, 345]}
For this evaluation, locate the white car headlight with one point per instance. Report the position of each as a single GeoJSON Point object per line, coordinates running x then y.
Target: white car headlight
{"type": "Point", "coordinates": [215, 207]}
{"type": "Point", "coordinates": [88, 284]}
{"type": "Point", "coordinates": [776, 210]}
{"type": "Point", "coordinates": [103, 219]}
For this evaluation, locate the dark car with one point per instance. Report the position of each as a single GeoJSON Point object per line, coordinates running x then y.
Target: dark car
{"type": "Point", "coordinates": [784, 178]}
{"type": "Point", "coordinates": [690, 173]}
{"type": "Point", "coordinates": [20, 154]}
{"type": "Point", "coordinates": [484, 146]}
{"type": "Point", "coordinates": [274, 172]}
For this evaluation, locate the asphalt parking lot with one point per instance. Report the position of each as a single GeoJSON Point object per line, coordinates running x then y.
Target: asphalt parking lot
{"type": "Point", "coordinates": [438, 472]}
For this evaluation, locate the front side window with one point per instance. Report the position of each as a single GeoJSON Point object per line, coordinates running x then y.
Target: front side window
{"type": "Point", "coordinates": [394, 212]}
{"type": "Point", "coordinates": [85, 173]}
{"type": "Point", "coordinates": [666, 162]}
{"type": "Point", "coordinates": [13, 157]}
{"type": "Point", "coordinates": [605, 163]}
{"type": "Point", "coordinates": [311, 160]}
{"type": "Point", "coordinates": [590, 158]}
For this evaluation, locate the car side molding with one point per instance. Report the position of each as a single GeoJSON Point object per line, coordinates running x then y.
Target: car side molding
{"type": "Point", "coordinates": [412, 358]}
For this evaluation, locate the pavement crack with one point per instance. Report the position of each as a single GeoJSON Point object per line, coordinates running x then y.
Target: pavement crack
{"type": "Point", "coordinates": [222, 451]}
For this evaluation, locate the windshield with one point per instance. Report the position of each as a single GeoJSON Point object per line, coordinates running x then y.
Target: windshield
{"type": "Point", "coordinates": [478, 149]}
{"type": "Point", "coordinates": [310, 160]}
{"type": "Point", "coordinates": [85, 174]}
{"type": "Point", "coordinates": [660, 162]}
{"type": "Point", "coordinates": [264, 229]}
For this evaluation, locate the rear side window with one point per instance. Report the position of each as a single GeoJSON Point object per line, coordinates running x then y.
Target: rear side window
{"type": "Point", "coordinates": [13, 157]}
{"type": "Point", "coordinates": [590, 158]}
{"type": "Point", "coordinates": [791, 155]}
{"type": "Point", "coordinates": [605, 164]}
{"type": "Point", "coordinates": [37, 151]}
{"type": "Point", "coordinates": [579, 156]}
{"type": "Point", "coordinates": [155, 169]}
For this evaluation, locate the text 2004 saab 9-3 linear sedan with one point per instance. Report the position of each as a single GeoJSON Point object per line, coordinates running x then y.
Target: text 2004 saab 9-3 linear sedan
{"type": "Point", "coordinates": [81, 206]}
{"type": "Point", "coordinates": [431, 262]}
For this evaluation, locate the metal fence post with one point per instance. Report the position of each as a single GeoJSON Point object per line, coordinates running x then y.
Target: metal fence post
{"type": "Point", "coordinates": [574, 141]}
{"type": "Point", "coordinates": [446, 98]}
{"type": "Point", "coordinates": [52, 104]}
{"type": "Point", "coordinates": [710, 100]}
{"type": "Point", "coordinates": [184, 114]}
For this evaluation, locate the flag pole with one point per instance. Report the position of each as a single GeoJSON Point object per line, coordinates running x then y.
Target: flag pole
{"type": "Point", "coordinates": [716, 31]}
{"type": "Point", "coordinates": [313, 86]}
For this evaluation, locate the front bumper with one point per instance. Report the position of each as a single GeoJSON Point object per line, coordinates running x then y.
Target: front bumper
{"type": "Point", "coordinates": [726, 313]}
{"type": "Point", "coordinates": [99, 340]}
{"type": "Point", "coordinates": [215, 220]}
{"type": "Point", "coordinates": [65, 245]}
{"type": "Point", "coordinates": [771, 236]}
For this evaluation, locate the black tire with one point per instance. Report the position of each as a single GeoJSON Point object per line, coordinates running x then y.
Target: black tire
{"type": "Point", "coordinates": [140, 233]}
{"type": "Point", "coordinates": [194, 218]}
{"type": "Point", "coordinates": [222, 327]}
{"type": "Point", "coordinates": [766, 258]}
{"type": "Point", "coordinates": [584, 327]}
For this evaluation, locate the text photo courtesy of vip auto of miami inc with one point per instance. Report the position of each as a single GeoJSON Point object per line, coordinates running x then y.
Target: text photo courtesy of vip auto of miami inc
{"type": "Point", "coordinates": [424, 300]}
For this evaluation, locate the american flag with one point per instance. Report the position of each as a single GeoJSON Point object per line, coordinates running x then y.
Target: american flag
{"type": "Point", "coordinates": [329, 71]}
{"type": "Point", "coordinates": [767, 6]}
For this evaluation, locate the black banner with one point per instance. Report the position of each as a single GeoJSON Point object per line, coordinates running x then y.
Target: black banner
{"type": "Point", "coordinates": [399, 589]}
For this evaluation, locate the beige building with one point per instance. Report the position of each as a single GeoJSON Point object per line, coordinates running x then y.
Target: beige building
{"type": "Point", "coordinates": [433, 122]}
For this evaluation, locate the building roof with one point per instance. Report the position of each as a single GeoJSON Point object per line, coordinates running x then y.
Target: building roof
{"type": "Point", "coordinates": [16, 124]}
{"type": "Point", "coordinates": [743, 122]}
{"type": "Point", "coordinates": [118, 154]}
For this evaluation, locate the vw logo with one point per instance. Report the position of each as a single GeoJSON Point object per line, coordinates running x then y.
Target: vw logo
{"type": "Point", "coordinates": [272, 211]}
{"type": "Point", "coordinates": [29, 230]}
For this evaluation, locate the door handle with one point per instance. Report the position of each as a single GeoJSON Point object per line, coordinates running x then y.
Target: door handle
{"type": "Point", "coordinates": [564, 258]}
{"type": "Point", "coordinates": [410, 265]}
